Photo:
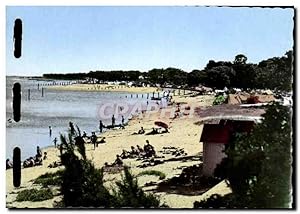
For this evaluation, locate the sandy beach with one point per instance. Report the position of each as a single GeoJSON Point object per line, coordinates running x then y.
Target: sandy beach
{"type": "Point", "coordinates": [183, 133]}
{"type": "Point", "coordinates": [105, 88]}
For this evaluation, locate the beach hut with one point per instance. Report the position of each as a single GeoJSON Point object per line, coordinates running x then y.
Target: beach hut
{"type": "Point", "coordinates": [215, 137]}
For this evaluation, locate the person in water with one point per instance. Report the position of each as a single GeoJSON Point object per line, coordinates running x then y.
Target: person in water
{"type": "Point", "coordinates": [50, 131]}
{"type": "Point", "coordinates": [113, 120]}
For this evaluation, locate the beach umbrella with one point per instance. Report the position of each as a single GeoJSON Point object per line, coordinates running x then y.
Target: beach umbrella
{"type": "Point", "coordinates": [161, 124]}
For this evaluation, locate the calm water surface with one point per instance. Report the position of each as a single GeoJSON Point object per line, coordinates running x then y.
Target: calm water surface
{"type": "Point", "coordinates": [56, 108]}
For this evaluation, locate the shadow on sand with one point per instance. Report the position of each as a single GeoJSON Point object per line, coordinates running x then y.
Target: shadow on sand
{"type": "Point", "coordinates": [190, 182]}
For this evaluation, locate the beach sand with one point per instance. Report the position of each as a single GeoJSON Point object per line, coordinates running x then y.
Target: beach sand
{"type": "Point", "coordinates": [104, 87]}
{"type": "Point", "coordinates": [184, 133]}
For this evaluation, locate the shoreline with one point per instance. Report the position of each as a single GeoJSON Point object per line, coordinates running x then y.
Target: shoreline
{"type": "Point", "coordinates": [105, 88]}
{"type": "Point", "coordinates": [184, 133]}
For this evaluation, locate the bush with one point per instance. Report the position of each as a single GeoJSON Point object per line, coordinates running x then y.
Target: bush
{"type": "Point", "coordinates": [48, 179]}
{"type": "Point", "coordinates": [34, 195]}
{"type": "Point", "coordinates": [82, 183]}
{"type": "Point", "coordinates": [258, 165]}
{"type": "Point", "coordinates": [219, 100]}
{"type": "Point", "coordinates": [153, 172]}
{"type": "Point", "coordinates": [129, 194]}
{"type": "Point", "coordinates": [216, 201]}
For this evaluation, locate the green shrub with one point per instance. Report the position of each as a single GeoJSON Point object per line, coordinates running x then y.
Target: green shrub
{"type": "Point", "coordinates": [34, 195]}
{"type": "Point", "coordinates": [49, 179]}
{"type": "Point", "coordinates": [216, 201]}
{"type": "Point", "coordinates": [82, 183]}
{"type": "Point", "coordinates": [258, 165]}
{"type": "Point", "coordinates": [153, 172]}
{"type": "Point", "coordinates": [219, 100]}
{"type": "Point", "coordinates": [129, 194]}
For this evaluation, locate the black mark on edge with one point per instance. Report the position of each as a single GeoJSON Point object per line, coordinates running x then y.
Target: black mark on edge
{"type": "Point", "coordinates": [17, 167]}
{"type": "Point", "coordinates": [17, 101]}
{"type": "Point", "coordinates": [18, 38]}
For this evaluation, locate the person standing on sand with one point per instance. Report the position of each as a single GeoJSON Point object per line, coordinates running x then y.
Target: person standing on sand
{"type": "Point", "coordinates": [60, 149]}
{"type": "Point", "coordinates": [100, 126]}
{"type": "Point", "coordinates": [54, 141]}
{"type": "Point", "coordinates": [113, 120]}
{"type": "Point", "coordinates": [94, 139]}
{"type": "Point", "coordinates": [123, 120]}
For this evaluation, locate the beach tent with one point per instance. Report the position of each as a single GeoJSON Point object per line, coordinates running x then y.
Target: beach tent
{"type": "Point", "coordinates": [215, 137]}
{"type": "Point", "coordinates": [235, 99]}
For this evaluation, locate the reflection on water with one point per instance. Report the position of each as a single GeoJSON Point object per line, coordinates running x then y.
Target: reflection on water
{"type": "Point", "coordinates": [55, 109]}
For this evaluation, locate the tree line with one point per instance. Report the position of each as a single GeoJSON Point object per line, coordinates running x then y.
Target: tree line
{"type": "Point", "coordinates": [273, 73]}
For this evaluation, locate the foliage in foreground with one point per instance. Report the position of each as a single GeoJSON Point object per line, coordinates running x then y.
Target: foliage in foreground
{"type": "Point", "coordinates": [129, 194]}
{"type": "Point", "coordinates": [258, 166]}
{"type": "Point", "coordinates": [82, 183]}
{"type": "Point", "coordinates": [49, 179]}
{"type": "Point", "coordinates": [34, 195]}
{"type": "Point", "coordinates": [160, 174]}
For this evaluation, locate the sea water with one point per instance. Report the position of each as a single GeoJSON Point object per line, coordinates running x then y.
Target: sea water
{"type": "Point", "coordinates": [56, 108]}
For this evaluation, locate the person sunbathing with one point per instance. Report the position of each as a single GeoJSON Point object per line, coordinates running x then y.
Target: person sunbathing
{"type": "Point", "coordinates": [139, 149]}
{"type": "Point", "coordinates": [124, 154]}
{"type": "Point", "coordinates": [165, 131]}
{"type": "Point", "coordinates": [134, 152]}
{"type": "Point", "coordinates": [118, 161]}
{"type": "Point", "coordinates": [153, 132]}
{"type": "Point", "coordinates": [29, 162]}
{"type": "Point", "coordinates": [9, 164]}
{"type": "Point", "coordinates": [149, 149]}
{"type": "Point", "coordinates": [45, 156]}
{"type": "Point", "coordinates": [141, 131]}
{"type": "Point", "coordinates": [38, 161]}
{"type": "Point", "coordinates": [102, 140]}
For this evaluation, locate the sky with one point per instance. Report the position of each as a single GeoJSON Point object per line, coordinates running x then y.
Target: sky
{"type": "Point", "coordinates": [83, 39]}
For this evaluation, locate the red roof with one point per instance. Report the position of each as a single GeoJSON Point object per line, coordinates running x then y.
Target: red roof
{"type": "Point", "coordinates": [221, 133]}
{"type": "Point", "coordinates": [215, 133]}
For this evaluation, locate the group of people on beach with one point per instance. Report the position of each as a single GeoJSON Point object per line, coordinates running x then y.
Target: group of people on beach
{"type": "Point", "coordinates": [138, 152]}
{"type": "Point", "coordinates": [113, 124]}
{"type": "Point", "coordinates": [152, 132]}
{"type": "Point", "coordinates": [94, 139]}
{"type": "Point", "coordinates": [37, 160]}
